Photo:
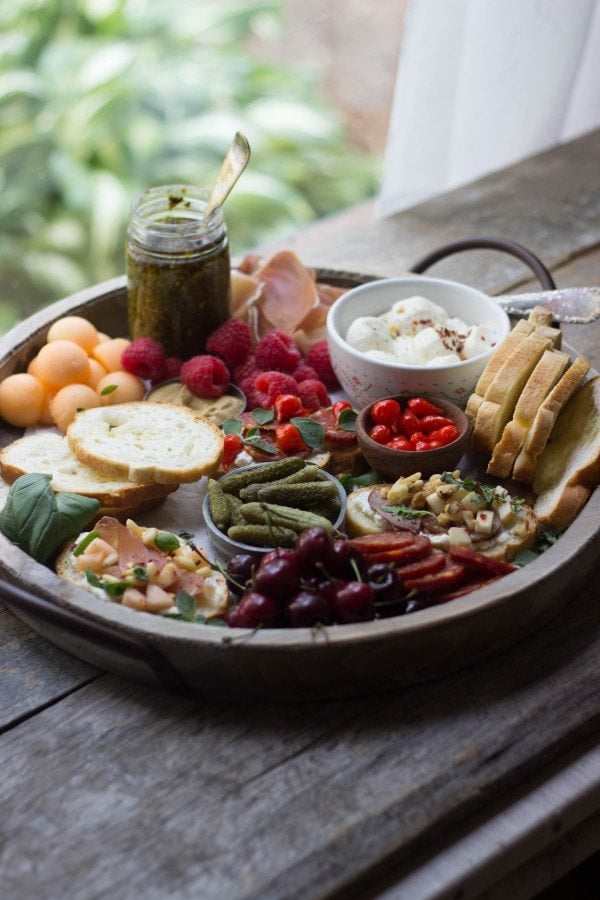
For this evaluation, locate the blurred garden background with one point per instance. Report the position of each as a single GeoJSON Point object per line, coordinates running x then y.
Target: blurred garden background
{"type": "Point", "coordinates": [100, 99]}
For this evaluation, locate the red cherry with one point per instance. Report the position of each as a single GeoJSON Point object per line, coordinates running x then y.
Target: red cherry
{"type": "Point", "coordinates": [278, 577]}
{"type": "Point", "coordinates": [257, 609]}
{"type": "Point", "coordinates": [353, 602]}
{"type": "Point", "coordinates": [306, 609]}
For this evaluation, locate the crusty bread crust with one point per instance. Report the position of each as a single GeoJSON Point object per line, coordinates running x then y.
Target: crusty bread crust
{"type": "Point", "coordinates": [357, 522]}
{"type": "Point", "coordinates": [504, 391]}
{"type": "Point", "coordinates": [495, 363]}
{"type": "Point", "coordinates": [541, 381]}
{"type": "Point", "coordinates": [545, 417]}
{"type": "Point", "coordinates": [569, 467]}
{"type": "Point", "coordinates": [50, 454]}
{"type": "Point", "coordinates": [143, 441]}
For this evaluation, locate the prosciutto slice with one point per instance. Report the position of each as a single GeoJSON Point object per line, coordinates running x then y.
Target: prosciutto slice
{"type": "Point", "coordinates": [398, 523]}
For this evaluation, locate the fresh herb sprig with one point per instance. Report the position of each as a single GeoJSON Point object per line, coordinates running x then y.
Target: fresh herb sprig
{"type": "Point", "coordinates": [488, 493]}
{"type": "Point", "coordinates": [407, 512]}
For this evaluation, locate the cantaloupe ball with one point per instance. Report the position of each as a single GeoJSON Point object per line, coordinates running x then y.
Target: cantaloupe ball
{"type": "Point", "coordinates": [109, 353]}
{"type": "Point", "coordinates": [97, 372]}
{"type": "Point", "coordinates": [33, 368]}
{"type": "Point", "coordinates": [46, 417]}
{"type": "Point", "coordinates": [21, 399]}
{"type": "Point", "coordinates": [62, 362]}
{"type": "Point", "coordinates": [102, 338]}
{"type": "Point", "coordinates": [128, 388]}
{"type": "Point", "coordinates": [76, 329]}
{"type": "Point", "coordinates": [68, 400]}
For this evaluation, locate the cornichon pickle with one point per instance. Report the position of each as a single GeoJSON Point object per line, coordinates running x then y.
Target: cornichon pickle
{"type": "Point", "coordinates": [233, 484]}
{"type": "Point", "coordinates": [306, 475]}
{"type": "Point", "coordinates": [283, 516]}
{"type": "Point", "coordinates": [219, 508]}
{"type": "Point", "coordinates": [262, 535]}
{"type": "Point", "coordinates": [299, 496]}
{"type": "Point", "coordinates": [234, 504]}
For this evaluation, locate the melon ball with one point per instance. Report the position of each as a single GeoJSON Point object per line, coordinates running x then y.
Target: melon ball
{"type": "Point", "coordinates": [128, 388]}
{"type": "Point", "coordinates": [97, 372]}
{"type": "Point", "coordinates": [68, 400]}
{"type": "Point", "coordinates": [21, 399]}
{"type": "Point", "coordinates": [102, 338]}
{"type": "Point", "coordinates": [33, 368]}
{"type": "Point", "coordinates": [76, 329]}
{"type": "Point", "coordinates": [109, 353]}
{"type": "Point", "coordinates": [62, 362]}
{"type": "Point", "coordinates": [46, 417]}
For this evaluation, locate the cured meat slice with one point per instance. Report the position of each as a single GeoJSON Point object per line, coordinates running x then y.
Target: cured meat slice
{"type": "Point", "coordinates": [419, 548]}
{"type": "Point", "coordinates": [385, 540]}
{"type": "Point", "coordinates": [467, 589]}
{"type": "Point", "coordinates": [432, 563]}
{"type": "Point", "coordinates": [399, 523]}
{"type": "Point", "coordinates": [480, 563]}
{"type": "Point", "coordinates": [450, 576]}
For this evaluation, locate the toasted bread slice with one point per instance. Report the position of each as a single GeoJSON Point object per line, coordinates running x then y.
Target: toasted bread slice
{"type": "Point", "coordinates": [496, 361]}
{"type": "Point", "coordinates": [539, 315]}
{"type": "Point", "coordinates": [144, 441]}
{"type": "Point", "coordinates": [360, 518]}
{"type": "Point", "coordinates": [569, 468]}
{"type": "Point", "coordinates": [49, 454]}
{"type": "Point", "coordinates": [504, 391]}
{"type": "Point", "coordinates": [541, 381]}
{"type": "Point", "coordinates": [545, 417]}
{"type": "Point", "coordinates": [553, 334]}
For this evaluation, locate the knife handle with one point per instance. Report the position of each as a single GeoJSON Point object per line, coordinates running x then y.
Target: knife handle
{"type": "Point", "coordinates": [490, 243]}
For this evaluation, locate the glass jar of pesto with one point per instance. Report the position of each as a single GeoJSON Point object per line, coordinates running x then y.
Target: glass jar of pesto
{"type": "Point", "coordinates": [178, 271]}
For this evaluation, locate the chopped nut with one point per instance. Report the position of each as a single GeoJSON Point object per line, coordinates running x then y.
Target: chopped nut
{"type": "Point", "coordinates": [149, 536]}
{"type": "Point", "coordinates": [419, 500]}
{"type": "Point", "coordinates": [444, 519]}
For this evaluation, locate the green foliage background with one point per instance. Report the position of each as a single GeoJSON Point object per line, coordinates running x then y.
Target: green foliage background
{"type": "Point", "coordinates": [100, 99]}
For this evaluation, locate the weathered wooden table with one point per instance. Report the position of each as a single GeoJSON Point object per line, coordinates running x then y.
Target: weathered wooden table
{"type": "Point", "coordinates": [487, 782]}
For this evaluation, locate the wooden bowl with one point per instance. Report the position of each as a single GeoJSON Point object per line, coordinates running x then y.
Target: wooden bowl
{"type": "Point", "coordinates": [391, 464]}
{"type": "Point", "coordinates": [284, 664]}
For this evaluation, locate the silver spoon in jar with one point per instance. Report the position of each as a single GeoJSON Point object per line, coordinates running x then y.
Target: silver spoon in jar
{"type": "Point", "coordinates": [234, 164]}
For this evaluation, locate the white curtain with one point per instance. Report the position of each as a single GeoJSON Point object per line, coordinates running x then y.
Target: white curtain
{"type": "Point", "coordinates": [484, 83]}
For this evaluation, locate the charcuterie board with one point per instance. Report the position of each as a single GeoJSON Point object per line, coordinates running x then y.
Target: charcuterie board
{"type": "Point", "coordinates": [277, 663]}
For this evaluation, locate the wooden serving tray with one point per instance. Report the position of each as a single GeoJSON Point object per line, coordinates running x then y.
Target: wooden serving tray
{"type": "Point", "coordinates": [279, 663]}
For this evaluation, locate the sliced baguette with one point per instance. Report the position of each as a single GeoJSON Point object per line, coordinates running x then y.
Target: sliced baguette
{"type": "Point", "coordinates": [144, 441]}
{"type": "Point", "coordinates": [496, 361]}
{"type": "Point", "coordinates": [541, 381]}
{"type": "Point", "coordinates": [504, 391]}
{"type": "Point", "coordinates": [360, 518]}
{"type": "Point", "coordinates": [49, 454]}
{"type": "Point", "coordinates": [569, 468]}
{"type": "Point", "coordinates": [545, 417]}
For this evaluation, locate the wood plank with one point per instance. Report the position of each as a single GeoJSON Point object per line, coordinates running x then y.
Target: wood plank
{"type": "Point", "coordinates": [549, 203]}
{"type": "Point", "coordinates": [33, 672]}
{"type": "Point", "coordinates": [141, 792]}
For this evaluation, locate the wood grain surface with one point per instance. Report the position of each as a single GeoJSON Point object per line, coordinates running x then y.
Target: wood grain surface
{"type": "Point", "coordinates": [113, 789]}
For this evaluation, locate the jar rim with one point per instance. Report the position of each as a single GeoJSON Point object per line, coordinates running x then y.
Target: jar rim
{"type": "Point", "coordinates": [186, 200]}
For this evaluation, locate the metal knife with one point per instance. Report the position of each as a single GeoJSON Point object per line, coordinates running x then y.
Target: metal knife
{"type": "Point", "coordinates": [575, 305]}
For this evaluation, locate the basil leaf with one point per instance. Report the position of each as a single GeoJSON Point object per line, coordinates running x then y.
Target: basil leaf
{"type": "Point", "coordinates": [261, 445]}
{"type": "Point", "coordinates": [351, 482]}
{"type": "Point", "coordinates": [524, 557]}
{"type": "Point", "coordinates": [35, 516]}
{"type": "Point", "coordinates": [262, 416]}
{"type": "Point", "coordinates": [232, 426]}
{"type": "Point", "coordinates": [186, 536]}
{"type": "Point", "coordinates": [114, 588]}
{"type": "Point", "coordinates": [200, 619]}
{"type": "Point", "coordinates": [253, 432]}
{"type": "Point", "coordinates": [166, 541]}
{"type": "Point", "coordinates": [108, 389]}
{"type": "Point", "coordinates": [347, 420]}
{"type": "Point", "coordinates": [85, 543]}
{"type": "Point", "coordinates": [407, 512]}
{"type": "Point", "coordinates": [311, 432]}
{"type": "Point", "coordinates": [186, 605]}
{"type": "Point", "coordinates": [74, 512]}
{"type": "Point", "coordinates": [140, 574]}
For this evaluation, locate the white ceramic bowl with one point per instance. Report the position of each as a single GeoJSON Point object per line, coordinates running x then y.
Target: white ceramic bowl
{"type": "Point", "coordinates": [366, 380]}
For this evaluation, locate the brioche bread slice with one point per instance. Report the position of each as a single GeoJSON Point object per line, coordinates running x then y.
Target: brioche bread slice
{"type": "Point", "coordinates": [504, 391]}
{"type": "Point", "coordinates": [545, 417]}
{"type": "Point", "coordinates": [541, 381]}
{"type": "Point", "coordinates": [569, 468]}
{"type": "Point", "coordinates": [49, 454]}
{"type": "Point", "coordinates": [496, 361]}
{"type": "Point", "coordinates": [144, 441]}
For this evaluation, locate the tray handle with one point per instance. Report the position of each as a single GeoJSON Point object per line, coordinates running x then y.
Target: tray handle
{"type": "Point", "coordinates": [19, 600]}
{"type": "Point", "coordinates": [490, 243]}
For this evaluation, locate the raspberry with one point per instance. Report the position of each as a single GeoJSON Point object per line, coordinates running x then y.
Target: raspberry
{"type": "Point", "coordinates": [304, 373]}
{"type": "Point", "coordinates": [258, 398]}
{"type": "Point", "coordinates": [277, 350]}
{"type": "Point", "coordinates": [318, 358]}
{"type": "Point", "coordinates": [205, 376]}
{"type": "Point", "coordinates": [274, 383]}
{"type": "Point", "coordinates": [171, 368]}
{"type": "Point", "coordinates": [145, 358]}
{"type": "Point", "coordinates": [313, 394]}
{"type": "Point", "coordinates": [231, 341]}
{"type": "Point", "coordinates": [245, 370]}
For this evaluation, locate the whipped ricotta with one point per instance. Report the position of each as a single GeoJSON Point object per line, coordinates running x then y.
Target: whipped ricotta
{"type": "Point", "coordinates": [417, 332]}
